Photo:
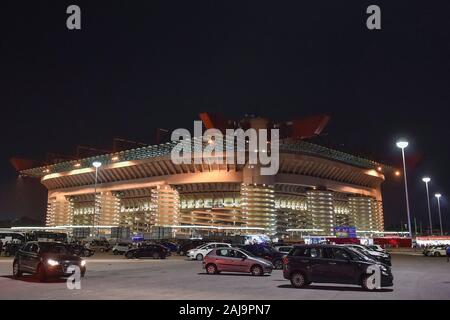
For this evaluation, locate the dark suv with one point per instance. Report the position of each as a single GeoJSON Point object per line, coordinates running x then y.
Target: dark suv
{"type": "Point", "coordinates": [331, 264]}
{"type": "Point", "coordinates": [154, 251]}
{"type": "Point", "coordinates": [266, 252]}
{"type": "Point", "coordinates": [185, 246]}
{"type": "Point", "coordinates": [46, 259]}
{"type": "Point", "coordinates": [80, 250]}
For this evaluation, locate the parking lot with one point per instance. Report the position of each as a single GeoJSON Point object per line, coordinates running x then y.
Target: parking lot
{"type": "Point", "coordinates": [113, 277]}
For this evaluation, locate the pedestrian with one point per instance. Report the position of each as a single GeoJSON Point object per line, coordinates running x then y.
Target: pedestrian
{"type": "Point", "coordinates": [447, 252]}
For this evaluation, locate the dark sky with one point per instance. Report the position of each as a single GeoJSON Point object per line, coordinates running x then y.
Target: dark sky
{"type": "Point", "coordinates": [139, 65]}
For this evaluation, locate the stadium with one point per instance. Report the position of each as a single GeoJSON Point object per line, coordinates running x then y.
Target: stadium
{"type": "Point", "coordinates": [141, 191]}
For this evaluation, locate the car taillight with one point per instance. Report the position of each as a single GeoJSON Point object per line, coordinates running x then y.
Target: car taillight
{"type": "Point", "coordinates": [285, 260]}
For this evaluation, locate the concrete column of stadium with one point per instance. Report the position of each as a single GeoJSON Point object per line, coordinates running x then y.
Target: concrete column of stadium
{"type": "Point", "coordinates": [258, 199]}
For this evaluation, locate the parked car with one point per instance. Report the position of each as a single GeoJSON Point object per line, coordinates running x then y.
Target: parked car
{"type": "Point", "coordinates": [425, 250]}
{"type": "Point", "coordinates": [436, 251]}
{"type": "Point", "coordinates": [200, 252]}
{"type": "Point", "coordinates": [154, 251]}
{"type": "Point", "coordinates": [121, 248]}
{"type": "Point", "coordinates": [306, 264]}
{"type": "Point", "coordinates": [99, 245]}
{"type": "Point", "coordinates": [235, 260]}
{"type": "Point", "coordinates": [382, 257]}
{"type": "Point", "coordinates": [279, 244]}
{"type": "Point", "coordinates": [80, 250]}
{"type": "Point", "coordinates": [46, 259]}
{"type": "Point", "coordinates": [188, 245]}
{"type": "Point", "coordinates": [283, 249]}
{"type": "Point", "coordinates": [266, 252]}
{"type": "Point", "coordinates": [376, 247]}
{"type": "Point", "coordinates": [173, 247]}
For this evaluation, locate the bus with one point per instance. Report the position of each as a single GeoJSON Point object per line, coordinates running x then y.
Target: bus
{"type": "Point", "coordinates": [12, 236]}
{"type": "Point", "coordinates": [46, 236]}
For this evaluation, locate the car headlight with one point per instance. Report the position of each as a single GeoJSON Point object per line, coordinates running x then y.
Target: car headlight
{"type": "Point", "coordinates": [52, 262]}
{"type": "Point", "coordinates": [83, 263]}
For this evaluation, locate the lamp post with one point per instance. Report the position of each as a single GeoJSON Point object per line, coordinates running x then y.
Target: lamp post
{"type": "Point", "coordinates": [402, 145]}
{"type": "Point", "coordinates": [426, 180]}
{"type": "Point", "coordinates": [438, 196]}
{"type": "Point", "coordinates": [96, 164]}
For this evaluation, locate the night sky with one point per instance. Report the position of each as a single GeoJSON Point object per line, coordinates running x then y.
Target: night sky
{"type": "Point", "coordinates": [139, 65]}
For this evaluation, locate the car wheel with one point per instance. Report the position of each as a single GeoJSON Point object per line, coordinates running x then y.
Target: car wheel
{"type": "Point", "coordinates": [365, 283]}
{"type": "Point", "coordinates": [437, 254]}
{"type": "Point", "coordinates": [40, 274]}
{"type": "Point", "coordinates": [211, 269]}
{"type": "Point", "coordinates": [16, 270]}
{"type": "Point", "coordinates": [115, 252]}
{"type": "Point", "coordinates": [156, 255]}
{"type": "Point", "coordinates": [256, 271]}
{"type": "Point", "coordinates": [129, 255]}
{"type": "Point", "coordinates": [278, 264]}
{"type": "Point", "coordinates": [298, 280]}
{"type": "Point", "coordinates": [199, 257]}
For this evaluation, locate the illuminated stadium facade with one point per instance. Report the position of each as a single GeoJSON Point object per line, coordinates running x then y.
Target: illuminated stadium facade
{"type": "Point", "coordinates": [315, 189]}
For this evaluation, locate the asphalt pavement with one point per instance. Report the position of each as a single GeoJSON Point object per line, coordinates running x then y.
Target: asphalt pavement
{"type": "Point", "coordinates": [113, 277]}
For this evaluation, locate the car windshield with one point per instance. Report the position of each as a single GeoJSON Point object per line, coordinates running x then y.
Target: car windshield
{"type": "Point", "coordinates": [359, 256]}
{"type": "Point", "coordinates": [50, 248]}
{"type": "Point", "coordinates": [361, 249]}
{"type": "Point", "coordinates": [247, 253]}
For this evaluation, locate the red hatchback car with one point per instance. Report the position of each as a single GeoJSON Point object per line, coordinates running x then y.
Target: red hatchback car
{"type": "Point", "coordinates": [235, 260]}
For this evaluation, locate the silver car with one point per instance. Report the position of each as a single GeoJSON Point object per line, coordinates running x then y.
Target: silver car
{"type": "Point", "coordinates": [235, 260]}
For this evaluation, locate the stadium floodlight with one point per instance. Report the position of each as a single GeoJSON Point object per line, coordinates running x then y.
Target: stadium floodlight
{"type": "Point", "coordinates": [426, 180]}
{"type": "Point", "coordinates": [97, 164]}
{"type": "Point", "coordinates": [438, 197]}
{"type": "Point", "coordinates": [402, 144]}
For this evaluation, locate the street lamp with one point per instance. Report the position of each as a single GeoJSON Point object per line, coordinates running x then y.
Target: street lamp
{"type": "Point", "coordinates": [426, 180]}
{"type": "Point", "coordinates": [438, 196]}
{"type": "Point", "coordinates": [402, 145]}
{"type": "Point", "coordinates": [96, 164]}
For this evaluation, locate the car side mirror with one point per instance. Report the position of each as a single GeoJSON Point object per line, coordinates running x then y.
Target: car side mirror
{"type": "Point", "coordinates": [243, 258]}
